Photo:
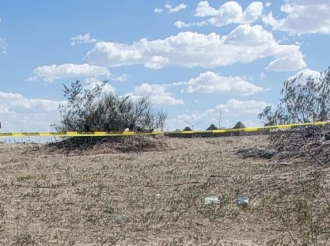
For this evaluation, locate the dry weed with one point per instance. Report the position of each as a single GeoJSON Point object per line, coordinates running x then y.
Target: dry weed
{"type": "Point", "coordinates": [141, 198]}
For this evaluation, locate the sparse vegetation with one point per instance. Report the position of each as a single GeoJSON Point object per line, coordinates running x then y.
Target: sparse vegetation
{"type": "Point", "coordinates": [305, 217]}
{"type": "Point", "coordinates": [304, 210]}
{"type": "Point", "coordinates": [128, 197]}
{"type": "Point", "coordinates": [90, 110]}
{"type": "Point", "coordinates": [302, 101]}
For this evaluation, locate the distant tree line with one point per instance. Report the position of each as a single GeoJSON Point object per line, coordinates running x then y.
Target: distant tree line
{"type": "Point", "coordinates": [212, 127]}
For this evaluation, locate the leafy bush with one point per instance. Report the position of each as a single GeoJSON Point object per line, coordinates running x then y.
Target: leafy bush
{"type": "Point", "coordinates": [302, 100]}
{"type": "Point", "coordinates": [88, 110]}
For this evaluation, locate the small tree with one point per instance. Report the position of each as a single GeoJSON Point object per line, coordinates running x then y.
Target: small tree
{"type": "Point", "coordinates": [89, 110]}
{"type": "Point", "coordinates": [239, 125]}
{"type": "Point", "coordinates": [187, 128]}
{"type": "Point", "coordinates": [212, 127]}
{"type": "Point", "coordinates": [303, 100]}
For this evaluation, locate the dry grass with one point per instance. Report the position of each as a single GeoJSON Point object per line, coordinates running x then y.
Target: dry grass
{"type": "Point", "coordinates": [149, 198]}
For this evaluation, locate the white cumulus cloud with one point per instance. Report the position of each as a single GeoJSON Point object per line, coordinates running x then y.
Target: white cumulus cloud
{"type": "Point", "coordinates": [173, 9]}
{"type": "Point", "coordinates": [158, 94]}
{"type": "Point", "coordinates": [158, 10]}
{"type": "Point", "coordinates": [210, 82]}
{"type": "Point", "coordinates": [181, 24]}
{"type": "Point", "coordinates": [35, 114]}
{"type": "Point", "coordinates": [302, 17]}
{"type": "Point", "coordinates": [29, 114]}
{"type": "Point", "coordinates": [119, 78]}
{"type": "Point", "coordinates": [234, 106]}
{"type": "Point", "coordinates": [80, 39]}
{"type": "Point", "coordinates": [92, 82]}
{"type": "Point", "coordinates": [230, 12]}
{"type": "Point", "coordinates": [302, 76]}
{"type": "Point", "coordinates": [287, 63]}
{"type": "Point", "coordinates": [68, 70]}
{"type": "Point", "coordinates": [244, 44]}
{"type": "Point", "coordinates": [17, 103]}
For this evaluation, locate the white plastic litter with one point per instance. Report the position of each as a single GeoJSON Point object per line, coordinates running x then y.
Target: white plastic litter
{"type": "Point", "coordinates": [211, 200]}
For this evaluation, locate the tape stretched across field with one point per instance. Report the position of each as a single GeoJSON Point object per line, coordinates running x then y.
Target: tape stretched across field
{"type": "Point", "coordinates": [118, 134]}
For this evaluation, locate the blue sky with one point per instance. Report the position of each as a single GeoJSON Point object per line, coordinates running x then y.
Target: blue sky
{"type": "Point", "coordinates": [194, 58]}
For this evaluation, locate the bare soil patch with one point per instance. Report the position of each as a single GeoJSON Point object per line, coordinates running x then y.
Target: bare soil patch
{"type": "Point", "coordinates": [104, 197]}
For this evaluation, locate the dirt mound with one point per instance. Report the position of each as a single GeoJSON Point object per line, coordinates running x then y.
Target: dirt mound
{"type": "Point", "coordinates": [101, 145]}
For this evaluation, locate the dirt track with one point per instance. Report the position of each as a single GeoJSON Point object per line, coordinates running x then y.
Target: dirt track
{"type": "Point", "coordinates": [153, 198]}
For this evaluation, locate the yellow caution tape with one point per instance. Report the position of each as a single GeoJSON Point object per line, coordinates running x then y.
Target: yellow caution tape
{"type": "Point", "coordinates": [119, 134]}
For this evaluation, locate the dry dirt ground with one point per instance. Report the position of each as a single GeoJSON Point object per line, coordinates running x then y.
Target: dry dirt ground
{"type": "Point", "coordinates": [149, 198]}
